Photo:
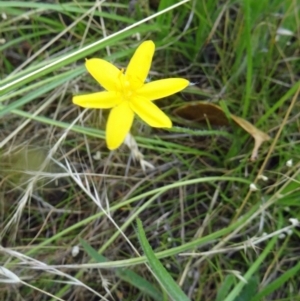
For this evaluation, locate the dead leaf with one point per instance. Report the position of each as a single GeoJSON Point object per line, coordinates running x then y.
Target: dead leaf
{"type": "Point", "coordinates": [204, 112]}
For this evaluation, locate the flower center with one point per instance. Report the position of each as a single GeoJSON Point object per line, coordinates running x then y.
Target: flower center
{"type": "Point", "coordinates": [126, 89]}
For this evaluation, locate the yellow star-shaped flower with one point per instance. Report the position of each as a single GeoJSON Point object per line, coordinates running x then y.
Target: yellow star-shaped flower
{"type": "Point", "coordinates": [127, 93]}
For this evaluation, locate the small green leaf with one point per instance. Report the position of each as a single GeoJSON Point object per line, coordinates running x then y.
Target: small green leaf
{"type": "Point", "coordinates": [249, 290]}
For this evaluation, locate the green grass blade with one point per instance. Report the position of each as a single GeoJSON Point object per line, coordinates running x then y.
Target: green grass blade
{"type": "Point", "coordinates": [246, 103]}
{"type": "Point", "coordinates": [125, 274]}
{"type": "Point", "coordinates": [278, 283]}
{"type": "Point", "coordinates": [61, 79]}
{"type": "Point", "coordinates": [162, 275]}
{"type": "Point", "coordinates": [253, 269]}
{"type": "Point", "coordinates": [280, 103]}
{"type": "Point", "coordinates": [225, 287]}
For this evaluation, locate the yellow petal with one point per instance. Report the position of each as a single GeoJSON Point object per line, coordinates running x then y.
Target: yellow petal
{"type": "Point", "coordinates": [105, 73]}
{"type": "Point", "coordinates": [139, 65]}
{"type": "Point", "coordinates": [118, 125]}
{"type": "Point", "coordinates": [162, 88]}
{"type": "Point", "coordinates": [99, 100]}
{"type": "Point", "coordinates": [150, 113]}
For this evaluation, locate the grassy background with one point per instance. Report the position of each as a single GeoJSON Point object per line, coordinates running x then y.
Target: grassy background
{"type": "Point", "coordinates": [61, 189]}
